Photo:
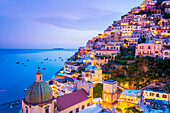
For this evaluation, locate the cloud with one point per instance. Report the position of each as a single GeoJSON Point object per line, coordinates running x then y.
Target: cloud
{"type": "Point", "coordinates": [72, 14]}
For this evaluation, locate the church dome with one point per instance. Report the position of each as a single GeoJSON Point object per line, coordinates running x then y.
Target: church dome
{"type": "Point", "coordinates": [38, 93]}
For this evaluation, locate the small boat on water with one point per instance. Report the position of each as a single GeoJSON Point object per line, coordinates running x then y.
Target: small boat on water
{"type": "Point", "coordinates": [22, 63]}
{"type": "Point", "coordinates": [49, 60]}
{"type": "Point", "coordinates": [44, 68]}
{"type": "Point", "coordinates": [10, 106]}
{"type": "Point", "coordinates": [55, 60]}
{"type": "Point", "coordinates": [59, 57]}
{"type": "Point", "coordinates": [25, 65]}
{"type": "Point", "coordinates": [38, 67]}
{"type": "Point", "coordinates": [42, 62]}
{"type": "Point", "coordinates": [27, 60]}
{"type": "Point", "coordinates": [17, 62]}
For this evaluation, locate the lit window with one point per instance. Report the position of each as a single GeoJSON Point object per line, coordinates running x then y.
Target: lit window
{"type": "Point", "coordinates": [107, 90]}
{"type": "Point", "coordinates": [107, 98]}
{"type": "Point", "coordinates": [164, 96]}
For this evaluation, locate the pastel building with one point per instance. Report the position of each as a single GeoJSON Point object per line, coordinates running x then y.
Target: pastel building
{"type": "Point", "coordinates": [76, 101]}
{"type": "Point", "coordinates": [130, 98]}
{"type": "Point", "coordinates": [92, 74]}
{"type": "Point", "coordinates": [166, 53]}
{"type": "Point", "coordinates": [109, 94]}
{"type": "Point", "coordinates": [156, 97]}
{"type": "Point", "coordinates": [153, 49]}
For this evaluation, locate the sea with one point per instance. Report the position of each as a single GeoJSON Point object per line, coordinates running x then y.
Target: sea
{"type": "Point", "coordinates": [14, 78]}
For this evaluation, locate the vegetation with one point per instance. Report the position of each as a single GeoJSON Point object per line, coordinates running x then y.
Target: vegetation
{"type": "Point", "coordinates": [97, 91]}
{"type": "Point", "coordinates": [140, 72]}
{"type": "Point", "coordinates": [132, 110]}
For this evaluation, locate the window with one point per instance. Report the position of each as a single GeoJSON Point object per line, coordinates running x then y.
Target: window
{"type": "Point", "coordinates": [107, 90]}
{"type": "Point", "coordinates": [26, 109]}
{"type": "Point", "coordinates": [88, 104]}
{"type": "Point", "coordinates": [141, 47]}
{"type": "Point", "coordinates": [151, 94]}
{"type": "Point", "coordinates": [157, 95]}
{"type": "Point", "coordinates": [71, 112]}
{"type": "Point", "coordinates": [40, 77]}
{"type": "Point", "coordinates": [149, 47]}
{"type": "Point", "coordinates": [47, 109]}
{"type": "Point", "coordinates": [82, 107]}
{"type": "Point", "coordinates": [166, 53]}
{"type": "Point", "coordinates": [164, 96]}
{"type": "Point", "coordinates": [77, 110]}
{"type": "Point", "coordinates": [156, 51]}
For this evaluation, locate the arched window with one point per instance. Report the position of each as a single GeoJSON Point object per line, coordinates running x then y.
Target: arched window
{"type": "Point", "coordinates": [47, 109]}
{"type": "Point", "coordinates": [107, 90]}
{"type": "Point", "coordinates": [107, 98]}
{"type": "Point", "coordinates": [166, 53]}
{"type": "Point", "coordinates": [26, 109]}
{"type": "Point", "coordinates": [40, 77]}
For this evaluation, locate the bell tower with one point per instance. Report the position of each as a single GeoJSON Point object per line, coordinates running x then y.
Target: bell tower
{"type": "Point", "coordinates": [109, 94]}
{"type": "Point", "coordinates": [39, 76]}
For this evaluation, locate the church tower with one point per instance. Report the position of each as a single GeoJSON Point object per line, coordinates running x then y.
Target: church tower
{"type": "Point", "coordinates": [38, 97]}
{"type": "Point", "coordinates": [109, 94]}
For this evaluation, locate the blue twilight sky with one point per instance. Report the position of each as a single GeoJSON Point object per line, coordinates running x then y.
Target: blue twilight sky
{"type": "Point", "coordinates": [57, 23]}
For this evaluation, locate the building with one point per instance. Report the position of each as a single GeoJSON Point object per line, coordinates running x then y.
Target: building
{"type": "Point", "coordinates": [82, 50]}
{"type": "Point", "coordinates": [95, 108]}
{"type": "Point", "coordinates": [166, 53]}
{"type": "Point", "coordinates": [153, 49]}
{"type": "Point", "coordinates": [92, 73]}
{"type": "Point", "coordinates": [130, 98]}
{"type": "Point", "coordinates": [109, 94]}
{"type": "Point", "coordinates": [73, 102]}
{"type": "Point", "coordinates": [156, 99]}
{"type": "Point", "coordinates": [38, 97]}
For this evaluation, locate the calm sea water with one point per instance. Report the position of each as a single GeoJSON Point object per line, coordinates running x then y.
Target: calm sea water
{"type": "Point", "coordinates": [14, 78]}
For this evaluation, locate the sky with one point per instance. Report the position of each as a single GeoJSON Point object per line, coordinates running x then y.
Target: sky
{"type": "Point", "coordinates": [41, 24]}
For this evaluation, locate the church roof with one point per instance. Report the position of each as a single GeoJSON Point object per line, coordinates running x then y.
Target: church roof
{"type": "Point", "coordinates": [38, 72]}
{"type": "Point", "coordinates": [38, 93]}
{"type": "Point", "coordinates": [71, 99]}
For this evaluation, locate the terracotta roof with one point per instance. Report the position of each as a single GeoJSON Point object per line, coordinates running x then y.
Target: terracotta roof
{"type": "Point", "coordinates": [71, 99]}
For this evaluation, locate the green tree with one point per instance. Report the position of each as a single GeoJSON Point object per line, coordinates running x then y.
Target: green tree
{"type": "Point", "coordinates": [132, 110]}
{"type": "Point", "coordinates": [97, 91]}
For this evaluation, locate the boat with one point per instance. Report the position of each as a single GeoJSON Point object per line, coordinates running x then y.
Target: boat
{"type": "Point", "coordinates": [10, 106]}
{"type": "Point", "coordinates": [44, 68]}
{"type": "Point", "coordinates": [38, 67]}
{"type": "Point", "coordinates": [25, 65]}
{"type": "Point", "coordinates": [22, 63]}
{"type": "Point", "coordinates": [61, 59]}
{"type": "Point", "coordinates": [17, 62]}
{"type": "Point", "coordinates": [41, 62]}
{"type": "Point", "coordinates": [27, 60]}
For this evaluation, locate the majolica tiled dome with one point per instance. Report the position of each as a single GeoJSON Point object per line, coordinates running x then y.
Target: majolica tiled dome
{"type": "Point", "coordinates": [38, 92]}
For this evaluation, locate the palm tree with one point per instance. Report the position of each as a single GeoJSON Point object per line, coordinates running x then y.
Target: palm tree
{"type": "Point", "coordinates": [167, 89]}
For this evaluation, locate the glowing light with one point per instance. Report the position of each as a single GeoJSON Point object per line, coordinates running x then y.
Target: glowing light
{"type": "Point", "coordinates": [107, 98]}
{"type": "Point", "coordinates": [107, 90]}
